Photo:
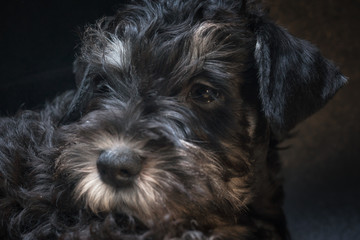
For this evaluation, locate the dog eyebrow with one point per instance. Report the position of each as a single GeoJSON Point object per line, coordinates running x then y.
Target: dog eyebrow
{"type": "Point", "coordinates": [102, 47]}
{"type": "Point", "coordinates": [116, 53]}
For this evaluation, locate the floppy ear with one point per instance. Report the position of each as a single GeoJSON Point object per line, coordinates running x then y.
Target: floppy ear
{"type": "Point", "coordinates": [295, 79]}
{"type": "Point", "coordinates": [85, 90]}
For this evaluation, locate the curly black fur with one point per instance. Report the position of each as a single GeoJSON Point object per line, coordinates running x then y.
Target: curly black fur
{"type": "Point", "coordinates": [171, 131]}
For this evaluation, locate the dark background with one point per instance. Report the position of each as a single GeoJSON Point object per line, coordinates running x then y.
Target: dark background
{"type": "Point", "coordinates": [322, 166]}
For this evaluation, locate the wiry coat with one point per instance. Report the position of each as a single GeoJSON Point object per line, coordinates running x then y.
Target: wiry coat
{"type": "Point", "coordinates": [195, 93]}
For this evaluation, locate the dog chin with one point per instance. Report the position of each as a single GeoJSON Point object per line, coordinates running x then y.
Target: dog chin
{"type": "Point", "coordinates": [139, 199]}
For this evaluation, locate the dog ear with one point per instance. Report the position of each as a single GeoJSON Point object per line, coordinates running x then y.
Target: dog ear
{"type": "Point", "coordinates": [84, 92]}
{"type": "Point", "coordinates": [295, 80]}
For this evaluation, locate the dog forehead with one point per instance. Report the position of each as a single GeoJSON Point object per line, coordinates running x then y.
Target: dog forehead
{"type": "Point", "coordinates": [191, 46]}
{"type": "Point", "coordinates": [152, 45]}
{"type": "Point", "coordinates": [171, 67]}
{"type": "Point", "coordinates": [206, 46]}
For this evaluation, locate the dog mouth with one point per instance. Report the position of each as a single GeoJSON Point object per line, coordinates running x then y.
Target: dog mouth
{"type": "Point", "coordinates": [125, 177]}
{"type": "Point", "coordinates": [149, 178]}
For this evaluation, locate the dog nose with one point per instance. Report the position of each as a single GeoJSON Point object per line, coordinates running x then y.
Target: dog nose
{"type": "Point", "coordinates": [119, 167]}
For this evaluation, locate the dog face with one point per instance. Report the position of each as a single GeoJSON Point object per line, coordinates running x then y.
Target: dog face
{"type": "Point", "coordinates": [175, 107]}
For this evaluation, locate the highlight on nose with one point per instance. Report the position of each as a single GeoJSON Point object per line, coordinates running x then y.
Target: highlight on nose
{"type": "Point", "coordinates": [119, 167]}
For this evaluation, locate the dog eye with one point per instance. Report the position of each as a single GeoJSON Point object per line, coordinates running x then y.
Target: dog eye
{"type": "Point", "coordinates": [204, 94]}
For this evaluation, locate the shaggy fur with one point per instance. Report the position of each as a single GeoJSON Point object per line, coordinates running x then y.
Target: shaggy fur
{"type": "Point", "coordinates": [171, 132]}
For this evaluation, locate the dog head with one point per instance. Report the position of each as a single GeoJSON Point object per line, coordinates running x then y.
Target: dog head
{"type": "Point", "coordinates": [175, 105]}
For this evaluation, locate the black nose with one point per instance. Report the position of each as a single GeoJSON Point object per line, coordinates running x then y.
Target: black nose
{"type": "Point", "coordinates": [119, 167]}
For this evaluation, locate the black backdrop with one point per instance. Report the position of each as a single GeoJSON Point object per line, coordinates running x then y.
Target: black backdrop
{"type": "Point", "coordinates": [37, 42]}
{"type": "Point", "coordinates": [322, 167]}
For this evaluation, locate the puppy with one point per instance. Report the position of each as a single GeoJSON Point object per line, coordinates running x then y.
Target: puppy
{"type": "Point", "coordinates": [172, 131]}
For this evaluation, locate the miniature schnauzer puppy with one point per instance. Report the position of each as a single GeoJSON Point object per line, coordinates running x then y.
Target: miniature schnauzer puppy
{"type": "Point", "coordinates": [172, 131]}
